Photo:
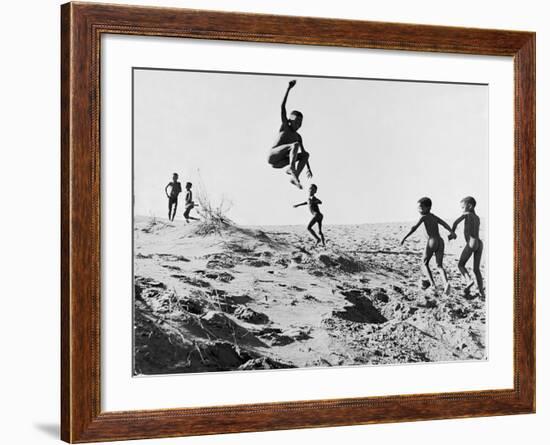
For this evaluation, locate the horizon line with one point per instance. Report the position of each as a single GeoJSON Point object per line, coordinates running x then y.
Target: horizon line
{"type": "Point", "coordinates": [297, 224]}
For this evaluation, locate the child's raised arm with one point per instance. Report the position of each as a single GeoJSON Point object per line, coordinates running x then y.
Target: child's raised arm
{"type": "Point", "coordinates": [413, 229]}
{"type": "Point", "coordinates": [300, 204]}
{"type": "Point", "coordinates": [284, 119]}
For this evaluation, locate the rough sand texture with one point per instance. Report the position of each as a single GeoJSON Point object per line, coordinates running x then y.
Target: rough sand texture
{"type": "Point", "coordinates": [262, 298]}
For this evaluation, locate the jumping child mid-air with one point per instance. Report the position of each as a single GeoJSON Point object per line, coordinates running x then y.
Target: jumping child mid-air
{"type": "Point", "coordinates": [435, 244]}
{"type": "Point", "coordinates": [175, 190]}
{"type": "Point", "coordinates": [189, 203]}
{"type": "Point", "coordinates": [473, 244]}
{"type": "Point", "coordinates": [289, 149]}
{"type": "Point", "coordinates": [313, 203]}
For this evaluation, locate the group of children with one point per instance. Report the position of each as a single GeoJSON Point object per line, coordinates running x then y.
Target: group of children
{"type": "Point", "coordinates": [175, 190]}
{"type": "Point", "coordinates": [436, 246]}
{"type": "Point", "coordinates": [288, 151]}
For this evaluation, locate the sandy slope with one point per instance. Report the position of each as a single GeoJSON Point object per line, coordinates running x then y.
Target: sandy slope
{"type": "Point", "coordinates": [256, 298]}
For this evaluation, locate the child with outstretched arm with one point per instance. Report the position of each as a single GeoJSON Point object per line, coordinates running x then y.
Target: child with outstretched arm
{"type": "Point", "coordinates": [175, 190]}
{"type": "Point", "coordinates": [434, 244]}
{"type": "Point", "coordinates": [313, 203]}
{"type": "Point", "coordinates": [474, 245]}
{"type": "Point", "coordinates": [289, 148]}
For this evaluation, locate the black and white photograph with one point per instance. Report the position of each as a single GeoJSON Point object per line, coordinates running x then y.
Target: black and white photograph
{"type": "Point", "coordinates": [291, 221]}
{"type": "Point", "coordinates": [275, 222]}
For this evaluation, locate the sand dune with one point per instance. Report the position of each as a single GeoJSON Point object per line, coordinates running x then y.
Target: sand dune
{"type": "Point", "coordinates": [267, 297]}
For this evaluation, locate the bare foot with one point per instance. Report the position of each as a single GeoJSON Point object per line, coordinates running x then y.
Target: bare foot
{"type": "Point", "coordinates": [294, 181]}
{"type": "Point", "coordinates": [468, 287]}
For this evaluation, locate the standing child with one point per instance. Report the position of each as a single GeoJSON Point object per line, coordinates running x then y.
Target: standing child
{"type": "Point", "coordinates": [313, 203]}
{"type": "Point", "coordinates": [175, 190]}
{"type": "Point", "coordinates": [289, 148]}
{"type": "Point", "coordinates": [435, 244]}
{"type": "Point", "coordinates": [189, 203]}
{"type": "Point", "coordinates": [474, 245]}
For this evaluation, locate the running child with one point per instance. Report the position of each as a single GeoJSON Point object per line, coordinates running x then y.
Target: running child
{"type": "Point", "coordinates": [313, 203]}
{"type": "Point", "coordinates": [474, 245]}
{"type": "Point", "coordinates": [175, 190]}
{"type": "Point", "coordinates": [289, 148]}
{"type": "Point", "coordinates": [434, 245]}
{"type": "Point", "coordinates": [189, 203]}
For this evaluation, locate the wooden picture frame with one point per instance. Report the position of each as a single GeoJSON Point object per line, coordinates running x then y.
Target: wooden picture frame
{"type": "Point", "coordinates": [82, 25]}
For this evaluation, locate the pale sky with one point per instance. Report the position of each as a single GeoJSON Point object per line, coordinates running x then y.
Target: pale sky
{"type": "Point", "coordinates": [376, 146]}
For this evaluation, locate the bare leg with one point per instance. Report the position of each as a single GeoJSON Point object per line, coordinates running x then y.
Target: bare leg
{"type": "Point", "coordinates": [302, 161]}
{"type": "Point", "coordinates": [170, 205]}
{"type": "Point", "coordinates": [293, 155]}
{"type": "Point", "coordinates": [186, 214]}
{"type": "Point", "coordinates": [310, 228]}
{"type": "Point", "coordinates": [447, 283]}
{"type": "Point", "coordinates": [477, 271]}
{"type": "Point", "coordinates": [174, 211]}
{"type": "Point", "coordinates": [439, 261]}
{"type": "Point", "coordinates": [426, 260]}
{"type": "Point", "coordinates": [464, 257]}
{"type": "Point", "coordinates": [320, 223]}
{"type": "Point", "coordinates": [279, 157]}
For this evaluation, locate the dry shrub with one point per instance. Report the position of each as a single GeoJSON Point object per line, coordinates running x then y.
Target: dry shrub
{"type": "Point", "coordinates": [213, 217]}
{"type": "Point", "coordinates": [155, 225]}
